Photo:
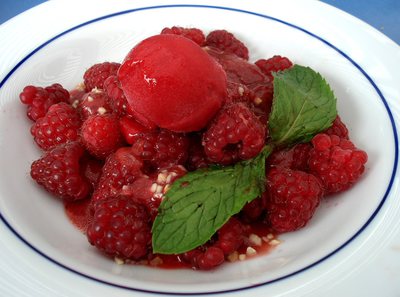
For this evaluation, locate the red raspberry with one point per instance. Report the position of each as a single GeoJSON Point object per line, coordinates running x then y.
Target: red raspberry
{"type": "Point", "coordinates": [230, 236]}
{"type": "Point", "coordinates": [91, 169]}
{"type": "Point", "coordinates": [131, 129]}
{"type": "Point", "coordinates": [295, 158]}
{"type": "Point", "coordinates": [40, 99]}
{"type": "Point", "coordinates": [193, 34]}
{"type": "Point", "coordinates": [117, 98]}
{"type": "Point", "coordinates": [100, 135]}
{"type": "Point", "coordinates": [120, 228]}
{"type": "Point", "coordinates": [274, 64]}
{"type": "Point", "coordinates": [93, 103]}
{"type": "Point", "coordinates": [76, 96]}
{"type": "Point", "coordinates": [196, 155]}
{"type": "Point", "coordinates": [161, 148]}
{"type": "Point", "coordinates": [120, 169]}
{"type": "Point", "coordinates": [204, 258]}
{"type": "Point", "coordinates": [211, 258]}
{"type": "Point", "coordinates": [228, 43]}
{"type": "Point", "coordinates": [338, 128]}
{"type": "Point", "coordinates": [235, 134]}
{"type": "Point", "coordinates": [242, 73]}
{"type": "Point", "coordinates": [292, 198]}
{"type": "Point", "coordinates": [253, 210]}
{"type": "Point", "coordinates": [60, 125]}
{"type": "Point", "coordinates": [150, 191]}
{"type": "Point", "coordinates": [58, 171]}
{"type": "Point", "coordinates": [95, 76]}
{"type": "Point", "coordinates": [238, 92]}
{"type": "Point", "coordinates": [336, 161]}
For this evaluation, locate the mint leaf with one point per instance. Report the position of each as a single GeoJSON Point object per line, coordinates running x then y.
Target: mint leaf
{"type": "Point", "coordinates": [199, 203]}
{"type": "Point", "coordinates": [303, 106]}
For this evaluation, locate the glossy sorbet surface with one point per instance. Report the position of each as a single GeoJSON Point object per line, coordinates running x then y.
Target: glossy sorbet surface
{"type": "Point", "coordinates": [173, 83]}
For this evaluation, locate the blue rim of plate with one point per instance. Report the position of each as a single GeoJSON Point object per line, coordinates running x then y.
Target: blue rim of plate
{"type": "Point", "coordinates": [384, 198]}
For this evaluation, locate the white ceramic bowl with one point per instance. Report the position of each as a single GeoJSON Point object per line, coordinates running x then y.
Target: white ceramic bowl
{"type": "Point", "coordinates": [350, 55]}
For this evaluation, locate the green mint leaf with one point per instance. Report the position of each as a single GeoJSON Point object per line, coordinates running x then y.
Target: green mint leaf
{"type": "Point", "coordinates": [303, 106]}
{"type": "Point", "coordinates": [199, 203]}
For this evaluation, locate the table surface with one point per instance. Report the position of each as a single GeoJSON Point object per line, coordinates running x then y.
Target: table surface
{"type": "Point", "coordinates": [384, 15]}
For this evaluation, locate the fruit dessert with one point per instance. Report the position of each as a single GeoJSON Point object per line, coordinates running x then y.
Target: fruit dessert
{"type": "Point", "coordinates": [186, 154]}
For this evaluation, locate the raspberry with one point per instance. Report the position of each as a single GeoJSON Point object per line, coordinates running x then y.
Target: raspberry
{"type": "Point", "coordinates": [212, 257]}
{"type": "Point", "coordinates": [196, 155]}
{"type": "Point", "coordinates": [193, 34]}
{"type": "Point", "coordinates": [228, 43]}
{"type": "Point", "coordinates": [338, 128]}
{"type": "Point", "coordinates": [91, 168]}
{"type": "Point", "coordinates": [252, 210]}
{"type": "Point", "coordinates": [161, 148]}
{"type": "Point", "coordinates": [336, 161]}
{"type": "Point", "coordinates": [60, 125]}
{"type": "Point", "coordinates": [120, 169]}
{"type": "Point", "coordinates": [76, 96]}
{"type": "Point", "coordinates": [274, 64]}
{"type": "Point", "coordinates": [58, 171]}
{"type": "Point", "coordinates": [131, 129]}
{"type": "Point", "coordinates": [235, 134]}
{"type": "Point", "coordinates": [212, 254]}
{"type": "Point", "coordinates": [116, 96]}
{"type": "Point", "coordinates": [100, 135]}
{"type": "Point", "coordinates": [295, 158]}
{"type": "Point", "coordinates": [245, 74]}
{"type": "Point", "coordinates": [95, 76]}
{"type": "Point", "coordinates": [230, 236]}
{"type": "Point", "coordinates": [292, 198]}
{"type": "Point", "coordinates": [93, 103]}
{"type": "Point", "coordinates": [40, 99]}
{"type": "Point", "coordinates": [238, 92]}
{"type": "Point", "coordinates": [150, 191]}
{"type": "Point", "coordinates": [204, 258]}
{"type": "Point", "coordinates": [120, 228]}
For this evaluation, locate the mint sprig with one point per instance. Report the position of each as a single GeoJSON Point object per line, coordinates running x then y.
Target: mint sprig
{"type": "Point", "coordinates": [303, 106]}
{"type": "Point", "coordinates": [199, 203]}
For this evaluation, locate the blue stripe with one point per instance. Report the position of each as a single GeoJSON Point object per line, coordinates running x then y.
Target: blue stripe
{"type": "Point", "coordinates": [362, 71]}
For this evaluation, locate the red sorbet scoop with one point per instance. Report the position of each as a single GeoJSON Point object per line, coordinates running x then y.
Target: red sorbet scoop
{"type": "Point", "coordinates": [171, 81]}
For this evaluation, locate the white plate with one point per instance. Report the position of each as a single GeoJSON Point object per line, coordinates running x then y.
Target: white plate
{"type": "Point", "coordinates": [43, 255]}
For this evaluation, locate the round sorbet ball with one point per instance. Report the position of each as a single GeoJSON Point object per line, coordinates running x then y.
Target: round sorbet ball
{"type": "Point", "coordinates": [172, 82]}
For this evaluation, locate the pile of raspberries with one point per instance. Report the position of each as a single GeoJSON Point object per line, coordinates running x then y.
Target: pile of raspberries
{"type": "Point", "coordinates": [93, 149]}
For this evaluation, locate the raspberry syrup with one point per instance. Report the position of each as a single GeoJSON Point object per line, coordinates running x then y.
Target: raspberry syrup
{"type": "Point", "coordinates": [76, 212]}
